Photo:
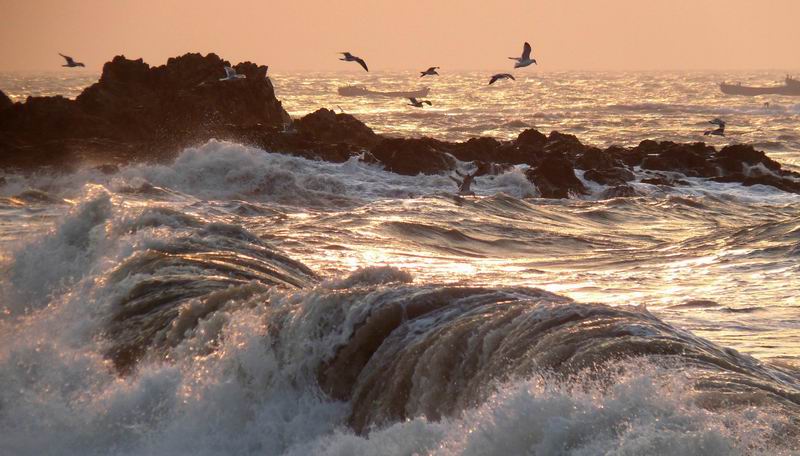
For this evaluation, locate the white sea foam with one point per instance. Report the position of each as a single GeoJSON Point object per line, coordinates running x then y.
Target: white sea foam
{"type": "Point", "coordinates": [257, 392]}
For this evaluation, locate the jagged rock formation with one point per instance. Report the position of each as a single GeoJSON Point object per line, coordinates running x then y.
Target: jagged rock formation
{"type": "Point", "coordinates": [136, 112]}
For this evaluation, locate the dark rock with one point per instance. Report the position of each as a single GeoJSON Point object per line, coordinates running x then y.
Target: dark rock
{"type": "Point", "coordinates": [491, 169]}
{"type": "Point", "coordinates": [413, 156]}
{"type": "Point", "coordinates": [667, 181]}
{"type": "Point", "coordinates": [5, 102]}
{"type": "Point", "coordinates": [689, 159]}
{"type": "Point", "coordinates": [555, 177]}
{"type": "Point", "coordinates": [327, 126]}
{"type": "Point", "coordinates": [46, 118]}
{"type": "Point", "coordinates": [183, 98]}
{"type": "Point", "coordinates": [564, 144]}
{"type": "Point", "coordinates": [732, 159]}
{"type": "Point", "coordinates": [619, 191]}
{"type": "Point", "coordinates": [301, 146]}
{"type": "Point", "coordinates": [597, 159]}
{"type": "Point", "coordinates": [609, 176]}
{"type": "Point", "coordinates": [532, 138]}
{"type": "Point", "coordinates": [491, 150]}
{"type": "Point", "coordinates": [482, 148]}
{"type": "Point", "coordinates": [136, 112]}
{"type": "Point", "coordinates": [144, 110]}
{"type": "Point", "coordinates": [781, 183]}
{"type": "Point", "coordinates": [632, 156]}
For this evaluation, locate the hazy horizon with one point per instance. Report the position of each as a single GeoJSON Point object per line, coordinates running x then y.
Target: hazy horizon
{"type": "Point", "coordinates": [619, 35]}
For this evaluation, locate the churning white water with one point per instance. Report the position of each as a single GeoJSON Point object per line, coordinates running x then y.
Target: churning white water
{"type": "Point", "coordinates": [240, 301]}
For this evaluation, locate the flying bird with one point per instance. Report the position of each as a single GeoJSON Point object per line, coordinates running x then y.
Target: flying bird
{"type": "Point", "coordinates": [348, 57]}
{"type": "Point", "coordinates": [418, 103]}
{"type": "Point", "coordinates": [71, 63]}
{"type": "Point", "coordinates": [429, 72]}
{"type": "Point", "coordinates": [720, 131]}
{"type": "Point", "coordinates": [499, 76]}
{"type": "Point", "coordinates": [230, 75]}
{"type": "Point", "coordinates": [525, 59]}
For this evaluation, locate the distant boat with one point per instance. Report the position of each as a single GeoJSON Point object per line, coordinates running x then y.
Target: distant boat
{"type": "Point", "coordinates": [790, 87]}
{"type": "Point", "coordinates": [361, 91]}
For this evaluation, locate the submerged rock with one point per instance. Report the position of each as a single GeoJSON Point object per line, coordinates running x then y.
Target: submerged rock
{"type": "Point", "coordinates": [781, 183]}
{"type": "Point", "coordinates": [666, 181]}
{"type": "Point", "coordinates": [619, 191]}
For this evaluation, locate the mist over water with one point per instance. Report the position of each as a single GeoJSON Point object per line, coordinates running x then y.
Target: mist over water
{"type": "Point", "coordinates": [240, 301]}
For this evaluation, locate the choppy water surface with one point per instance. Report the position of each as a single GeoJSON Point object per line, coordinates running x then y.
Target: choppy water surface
{"type": "Point", "coordinates": [173, 267]}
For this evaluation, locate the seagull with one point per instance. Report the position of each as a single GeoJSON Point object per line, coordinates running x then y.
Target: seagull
{"type": "Point", "coordinates": [418, 103]}
{"type": "Point", "coordinates": [465, 184]}
{"type": "Point", "coordinates": [348, 57]}
{"type": "Point", "coordinates": [429, 72]}
{"type": "Point", "coordinates": [499, 76]}
{"type": "Point", "coordinates": [71, 63]}
{"type": "Point", "coordinates": [230, 75]}
{"type": "Point", "coordinates": [720, 131]}
{"type": "Point", "coordinates": [525, 59]}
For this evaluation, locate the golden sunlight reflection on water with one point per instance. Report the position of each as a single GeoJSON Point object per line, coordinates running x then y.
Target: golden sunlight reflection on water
{"type": "Point", "coordinates": [659, 251]}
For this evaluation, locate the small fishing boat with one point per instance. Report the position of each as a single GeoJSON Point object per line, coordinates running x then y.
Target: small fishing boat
{"type": "Point", "coordinates": [361, 91]}
{"type": "Point", "coordinates": [790, 87]}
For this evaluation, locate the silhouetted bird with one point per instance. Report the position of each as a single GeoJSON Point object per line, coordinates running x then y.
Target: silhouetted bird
{"type": "Point", "coordinates": [348, 57]}
{"type": "Point", "coordinates": [418, 103]}
{"type": "Point", "coordinates": [71, 63]}
{"type": "Point", "coordinates": [500, 76]}
{"type": "Point", "coordinates": [720, 131]}
{"type": "Point", "coordinates": [429, 72]}
{"type": "Point", "coordinates": [525, 59]}
{"type": "Point", "coordinates": [230, 75]}
{"type": "Point", "coordinates": [465, 184]}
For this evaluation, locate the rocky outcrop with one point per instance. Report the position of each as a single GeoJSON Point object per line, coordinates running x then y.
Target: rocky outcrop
{"type": "Point", "coordinates": [600, 159]}
{"type": "Point", "coordinates": [322, 135]}
{"type": "Point", "coordinates": [734, 159]}
{"type": "Point", "coordinates": [326, 126]}
{"type": "Point", "coordinates": [136, 112]}
{"type": "Point", "coordinates": [555, 177]}
{"type": "Point", "coordinates": [619, 191]}
{"type": "Point", "coordinates": [141, 110]}
{"type": "Point", "coordinates": [5, 102]}
{"type": "Point", "coordinates": [693, 160]}
{"type": "Point", "coordinates": [787, 185]}
{"type": "Point", "coordinates": [413, 156]}
{"type": "Point", "coordinates": [663, 180]}
{"type": "Point", "coordinates": [610, 176]}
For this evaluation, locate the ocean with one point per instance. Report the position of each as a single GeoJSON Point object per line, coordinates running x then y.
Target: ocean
{"type": "Point", "coordinates": [240, 301]}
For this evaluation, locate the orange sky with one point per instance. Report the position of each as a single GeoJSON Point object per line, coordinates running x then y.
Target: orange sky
{"type": "Point", "coordinates": [410, 34]}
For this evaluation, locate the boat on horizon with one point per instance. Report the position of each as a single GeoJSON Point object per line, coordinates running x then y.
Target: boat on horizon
{"type": "Point", "coordinates": [790, 87]}
{"type": "Point", "coordinates": [361, 91]}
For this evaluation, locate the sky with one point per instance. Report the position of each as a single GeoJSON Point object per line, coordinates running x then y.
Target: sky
{"type": "Point", "coordinates": [291, 35]}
